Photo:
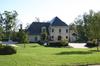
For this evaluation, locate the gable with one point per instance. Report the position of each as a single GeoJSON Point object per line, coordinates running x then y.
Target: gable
{"type": "Point", "coordinates": [57, 22]}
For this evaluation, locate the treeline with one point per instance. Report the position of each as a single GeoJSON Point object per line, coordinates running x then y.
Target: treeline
{"type": "Point", "coordinates": [9, 29]}
{"type": "Point", "coordinates": [87, 27]}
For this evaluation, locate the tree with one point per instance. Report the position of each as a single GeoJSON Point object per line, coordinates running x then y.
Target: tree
{"type": "Point", "coordinates": [89, 25]}
{"type": "Point", "coordinates": [22, 36]}
{"type": "Point", "coordinates": [80, 29]}
{"type": "Point", "coordinates": [94, 28]}
{"type": "Point", "coordinates": [37, 19]}
{"type": "Point", "coordinates": [9, 19]}
{"type": "Point", "coordinates": [1, 27]}
{"type": "Point", "coordinates": [44, 36]}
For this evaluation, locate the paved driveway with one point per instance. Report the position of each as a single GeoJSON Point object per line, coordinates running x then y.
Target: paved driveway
{"type": "Point", "coordinates": [78, 45]}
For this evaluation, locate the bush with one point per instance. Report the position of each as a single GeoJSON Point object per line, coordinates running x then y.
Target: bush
{"type": "Point", "coordinates": [56, 44]}
{"type": "Point", "coordinates": [23, 37]}
{"type": "Point", "coordinates": [6, 50]}
{"type": "Point", "coordinates": [64, 42]}
{"type": "Point", "coordinates": [90, 44]}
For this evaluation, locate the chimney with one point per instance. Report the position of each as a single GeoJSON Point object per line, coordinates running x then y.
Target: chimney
{"type": "Point", "coordinates": [20, 26]}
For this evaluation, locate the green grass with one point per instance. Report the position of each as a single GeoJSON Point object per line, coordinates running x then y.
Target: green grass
{"type": "Point", "coordinates": [36, 55]}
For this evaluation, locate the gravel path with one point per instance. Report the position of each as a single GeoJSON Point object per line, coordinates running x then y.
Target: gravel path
{"type": "Point", "coordinates": [78, 45]}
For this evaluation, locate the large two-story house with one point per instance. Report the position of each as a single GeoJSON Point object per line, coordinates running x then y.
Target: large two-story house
{"type": "Point", "coordinates": [56, 29]}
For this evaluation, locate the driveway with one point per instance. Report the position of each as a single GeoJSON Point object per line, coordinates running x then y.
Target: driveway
{"type": "Point", "coordinates": [78, 45]}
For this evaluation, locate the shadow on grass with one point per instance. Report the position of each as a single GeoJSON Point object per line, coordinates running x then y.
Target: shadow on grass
{"type": "Point", "coordinates": [94, 50]}
{"type": "Point", "coordinates": [74, 52]}
{"type": "Point", "coordinates": [34, 46]}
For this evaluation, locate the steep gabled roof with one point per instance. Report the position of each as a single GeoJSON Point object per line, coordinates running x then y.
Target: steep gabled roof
{"type": "Point", "coordinates": [57, 22]}
{"type": "Point", "coordinates": [35, 28]}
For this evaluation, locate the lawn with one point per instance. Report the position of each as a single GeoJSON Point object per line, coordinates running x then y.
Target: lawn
{"type": "Point", "coordinates": [36, 55]}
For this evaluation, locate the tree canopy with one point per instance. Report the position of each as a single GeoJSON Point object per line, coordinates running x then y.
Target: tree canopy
{"type": "Point", "coordinates": [88, 26]}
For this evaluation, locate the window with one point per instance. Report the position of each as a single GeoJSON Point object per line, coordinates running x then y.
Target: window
{"type": "Point", "coordinates": [66, 37]}
{"type": "Point", "coordinates": [52, 30]}
{"type": "Point", "coordinates": [66, 30]}
{"type": "Point", "coordinates": [35, 38]}
{"type": "Point", "coordinates": [59, 37]}
{"type": "Point", "coordinates": [43, 29]}
{"type": "Point", "coordinates": [52, 37]}
{"type": "Point", "coordinates": [59, 30]}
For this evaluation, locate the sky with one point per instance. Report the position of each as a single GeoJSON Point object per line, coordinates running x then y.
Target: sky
{"type": "Point", "coordinates": [45, 10]}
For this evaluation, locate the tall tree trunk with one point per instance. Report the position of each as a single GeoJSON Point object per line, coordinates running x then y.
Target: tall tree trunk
{"type": "Point", "coordinates": [97, 42]}
{"type": "Point", "coordinates": [97, 48]}
{"type": "Point", "coordinates": [24, 45]}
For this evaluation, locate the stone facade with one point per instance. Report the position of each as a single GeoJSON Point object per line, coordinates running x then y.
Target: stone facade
{"type": "Point", "coordinates": [58, 31]}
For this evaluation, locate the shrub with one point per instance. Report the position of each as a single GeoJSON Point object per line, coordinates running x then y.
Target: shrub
{"type": "Point", "coordinates": [6, 50]}
{"type": "Point", "coordinates": [90, 44]}
{"type": "Point", "coordinates": [23, 37]}
{"type": "Point", "coordinates": [64, 42]}
{"type": "Point", "coordinates": [56, 44]}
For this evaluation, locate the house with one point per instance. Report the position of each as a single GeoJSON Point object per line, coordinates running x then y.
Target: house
{"type": "Point", "coordinates": [56, 30]}
{"type": "Point", "coordinates": [72, 36]}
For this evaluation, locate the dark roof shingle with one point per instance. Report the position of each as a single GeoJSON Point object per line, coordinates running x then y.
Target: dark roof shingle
{"type": "Point", "coordinates": [57, 22]}
{"type": "Point", "coordinates": [35, 28]}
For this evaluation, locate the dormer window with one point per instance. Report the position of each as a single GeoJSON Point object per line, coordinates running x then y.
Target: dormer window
{"type": "Point", "coordinates": [43, 29]}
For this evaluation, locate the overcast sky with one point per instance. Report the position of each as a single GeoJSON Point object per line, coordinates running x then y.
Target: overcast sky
{"type": "Point", "coordinates": [66, 10]}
